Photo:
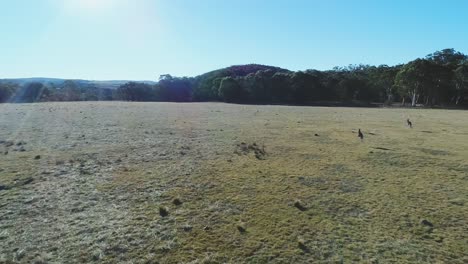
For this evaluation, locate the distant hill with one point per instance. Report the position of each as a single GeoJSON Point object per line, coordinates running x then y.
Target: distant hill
{"type": "Point", "coordinates": [242, 70]}
{"type": "Point", "coordinates": [112, 84]}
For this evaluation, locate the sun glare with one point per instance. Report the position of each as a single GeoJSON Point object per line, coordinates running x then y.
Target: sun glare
{"type": "Point", "coordinates": [89, 5]}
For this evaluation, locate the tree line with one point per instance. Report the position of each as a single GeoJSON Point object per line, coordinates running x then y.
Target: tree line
{"type": "Point", "coordinates": [439, 79]}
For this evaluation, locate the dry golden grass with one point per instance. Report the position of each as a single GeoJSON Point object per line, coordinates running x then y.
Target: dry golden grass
{"type": "Point", "coordinates": [106, 184]}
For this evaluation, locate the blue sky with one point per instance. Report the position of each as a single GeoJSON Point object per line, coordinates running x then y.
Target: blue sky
{"type": "Point", "coordinates": [141, 39]}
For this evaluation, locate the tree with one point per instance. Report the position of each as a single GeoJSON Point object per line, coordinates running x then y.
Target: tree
{"type": "Point", "coordinates": [7, 90]}
{"type": "Point", "coordinates": [440, 84]}
{"type": "Point", "coordinates": [306, 86]}
{"type": "Point", "coordinates": [382, 79]}
{"type": "Point", "coordinates": [206, 88]}
{"type": "Point", "coordinates": [70, 91]}
{"type": "Point", "coordinates": [30, 92]}
{"type": "Point", "coordinates": [445, 62]}
{"type": "Point", "coordinates": [175, 89]}
{"type": "Point", "coordinates": [447, 57]}
{"type": "Point", "coordinates": [258, 86]}
{"type": "Point", "coordinates": [230, 90]}
{"type": "Point", "coordinates": [461, 82]}
{"type": "Point", "coordinates": [281, 88]}
{"type": "Point", "coordinates": [354, 88]}
{"type": "Point", "coordinates": [133, 91]}
{"type": "Point", "coordinates": [411, 79]}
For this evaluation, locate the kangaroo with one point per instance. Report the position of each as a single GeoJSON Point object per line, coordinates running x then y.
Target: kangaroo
{"type": "Point", "coordinates": [409, 123]}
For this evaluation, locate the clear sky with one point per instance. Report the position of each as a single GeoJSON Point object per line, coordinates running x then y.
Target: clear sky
{"type": "Point", "coordinates": [141, 39]}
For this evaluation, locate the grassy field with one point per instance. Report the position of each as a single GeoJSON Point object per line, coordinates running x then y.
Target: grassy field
{"type": "Point", "coordinates": [219, 183]}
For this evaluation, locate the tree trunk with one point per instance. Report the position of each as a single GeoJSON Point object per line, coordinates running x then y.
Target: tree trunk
{"type": "Point", "coordinates": [413, 100]}
{"type": "Point", "coordinates": [389, 99]}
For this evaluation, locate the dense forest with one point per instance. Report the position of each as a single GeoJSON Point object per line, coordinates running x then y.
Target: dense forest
{"type": "Point", "coordinates": [438, 80]}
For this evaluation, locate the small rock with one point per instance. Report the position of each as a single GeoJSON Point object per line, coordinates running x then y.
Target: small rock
{"type": "Point", "coordinates": [187, 228]}
{"type": "Point", "coordinates": [298, 204]}
{"type": "Point", "coordinates": [20, 149]}
{"type": "Point", "coordinates": [177, 201]}
{"type": "Point", "coordinates": [27, 180]}
{"type": "Point", "coordinates": [241, 228]}
{"type": "Point", "coordinates": [302, 244]}
{"type": "Point", "coordinates": [32, 200]}
{"type": "Point", "coordinates": [316, 134]}
{"type": "Point", "coordinates": [163, 211]}
{"type": "Point", "coordinates": [37, 157]}
{"type": "Point", "coordinates": [426, 223]}
{"type": "Point", "coordinates": [20, 254]}
{"type": "Point", "coordinates": [97, 255]}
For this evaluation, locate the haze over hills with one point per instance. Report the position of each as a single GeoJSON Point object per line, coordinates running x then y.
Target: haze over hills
{"type": "Point", "coordinates": [110, 84]}
{"type": "Point", "coordinates": [233, 71]}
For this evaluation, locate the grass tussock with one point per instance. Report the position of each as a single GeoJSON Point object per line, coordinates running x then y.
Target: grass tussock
{"type": "Point", "coordinates": [163, 211]}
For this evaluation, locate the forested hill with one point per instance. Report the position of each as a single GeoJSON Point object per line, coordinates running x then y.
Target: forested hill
{"type": "Point", "coordinates": [207, 85]}
{"type": "Point", "coordinates": [438, 79]}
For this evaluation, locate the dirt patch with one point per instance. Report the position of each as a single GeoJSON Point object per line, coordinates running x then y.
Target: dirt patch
{"type": "Point", "coordinates": [434, 152]}
{"type": "Point", "coordinates": [318, 182]}
{"type": "Point", "coordinates": [245, 149]}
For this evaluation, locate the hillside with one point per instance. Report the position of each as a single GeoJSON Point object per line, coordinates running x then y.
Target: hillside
{"type": "Point", "coordinates": [208, 83]}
